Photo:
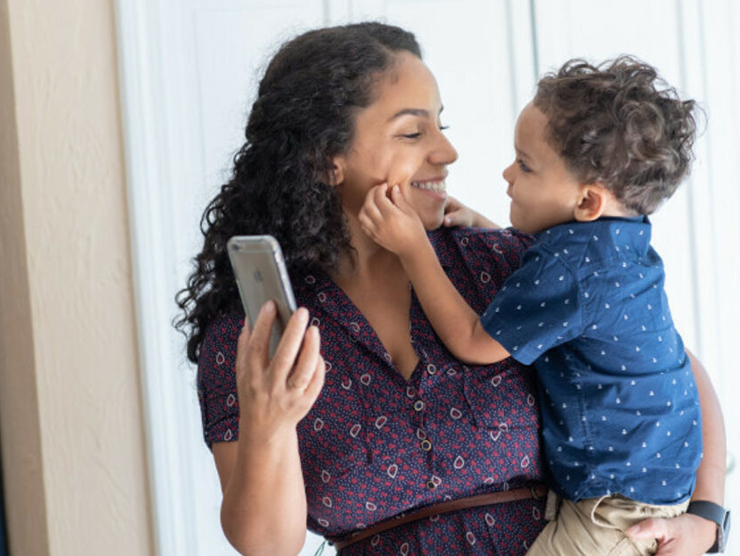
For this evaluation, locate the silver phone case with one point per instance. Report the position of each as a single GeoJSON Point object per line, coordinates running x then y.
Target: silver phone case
{"type": "Point", "coordinates": [261, 275]}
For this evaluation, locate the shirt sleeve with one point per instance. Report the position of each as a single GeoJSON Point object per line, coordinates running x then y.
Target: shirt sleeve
{"type": "Point", "coordinates": [217, 394]}
{"type": "Point", "coordinates": [538, 308]}
{"type": "Point", "coordinates": [479, 260]}
{"type": "Point", "coordinates": [500, 251]}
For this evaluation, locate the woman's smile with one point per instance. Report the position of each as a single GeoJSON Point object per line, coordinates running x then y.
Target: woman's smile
{"type": "Point", "coordinates": [436, 186]}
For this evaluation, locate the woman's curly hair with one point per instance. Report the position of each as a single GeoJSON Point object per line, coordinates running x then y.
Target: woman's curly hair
{"type": "Point", "coordinates": [620, 124]}
{"type": "Point", "coordinates": [304, 116]}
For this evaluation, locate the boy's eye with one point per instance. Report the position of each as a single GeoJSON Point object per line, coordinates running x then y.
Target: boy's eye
{"type": "Point", "coordinates": [523, 167]}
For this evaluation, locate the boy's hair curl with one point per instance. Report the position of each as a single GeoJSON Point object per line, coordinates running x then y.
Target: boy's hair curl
{"type": "Point", "coordinates": [621, 125]}
{"type": "Point", "coordinates": [303, 117]}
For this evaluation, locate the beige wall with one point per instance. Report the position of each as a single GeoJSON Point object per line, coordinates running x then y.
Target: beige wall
{"type": "Point", "coordinates": [73, 449]}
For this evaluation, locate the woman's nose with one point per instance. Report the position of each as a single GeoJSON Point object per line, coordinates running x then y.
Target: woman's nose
{"type": "Point", "coordinates": [444, 152]}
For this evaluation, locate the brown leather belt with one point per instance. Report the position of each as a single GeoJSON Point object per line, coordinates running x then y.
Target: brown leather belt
{"type": "Point", "coordinates": [537, 491]}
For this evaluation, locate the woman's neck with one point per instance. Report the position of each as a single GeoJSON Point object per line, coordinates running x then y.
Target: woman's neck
{"type": "Point", "coordinates": [368, 260]}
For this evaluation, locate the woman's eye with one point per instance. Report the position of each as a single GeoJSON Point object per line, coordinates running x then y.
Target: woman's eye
{"type": "Point", "coordinates": [444, 127]}
{"type": "Point", "coordinates": [411, 135]}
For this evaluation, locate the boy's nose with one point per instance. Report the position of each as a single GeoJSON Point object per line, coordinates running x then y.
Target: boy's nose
{"type": "Point", "coordinates": [508, 173]}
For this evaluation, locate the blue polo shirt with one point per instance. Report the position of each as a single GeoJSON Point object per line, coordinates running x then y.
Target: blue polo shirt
{"type": "Point", "coordinates": [620, 409]}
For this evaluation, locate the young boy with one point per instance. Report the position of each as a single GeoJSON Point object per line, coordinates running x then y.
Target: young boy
{"type": "Point", "coordinates": [597, 150]}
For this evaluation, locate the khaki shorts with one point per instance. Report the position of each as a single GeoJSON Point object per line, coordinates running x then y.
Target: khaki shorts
{"type": "Point", "coordinates": [595, 527]}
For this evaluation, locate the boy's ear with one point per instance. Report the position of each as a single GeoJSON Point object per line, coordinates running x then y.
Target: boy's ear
{"type": "Point", "coordinates": [592, 202]}
{"type": "Point", "coordinates": [336, 172]}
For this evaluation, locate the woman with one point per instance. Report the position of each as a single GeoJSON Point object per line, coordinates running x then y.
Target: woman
{"type": "Point", "coordinates": [398, 424]}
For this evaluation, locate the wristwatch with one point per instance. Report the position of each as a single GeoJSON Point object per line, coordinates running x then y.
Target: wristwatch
{"type": "Point", "coordinates": [718, 514]}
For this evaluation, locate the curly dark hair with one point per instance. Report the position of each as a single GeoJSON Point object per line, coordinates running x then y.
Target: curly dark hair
{"type": "Point", "coordinates": [303, 117]}
{"type": "Point", "coordinates": [622, 125]}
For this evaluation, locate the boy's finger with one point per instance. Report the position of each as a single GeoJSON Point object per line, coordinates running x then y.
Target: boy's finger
{"type": "Point", "coordinates": [378, 190]}
{"type": "Point", "coordinates": [370, 209]}
{"type": "Point", "coordinates": [398, 197]}
{"type": "Point", "coordinates": [453, 218]}
{"type": "Point", "coordinates": [384, 203]}
{"type": "Point", "coordinates": [290, 345]}
{"type": "Point", "coordinates": [400, 200]}
{"type": "Point", "coordinates": [366, 223]}
{"type": "Point", "coordinates": [380, 194]}
{"type": "Point", "coordinates": [401, 181]}
{"type": "Point", "coordinates": [452, 204]}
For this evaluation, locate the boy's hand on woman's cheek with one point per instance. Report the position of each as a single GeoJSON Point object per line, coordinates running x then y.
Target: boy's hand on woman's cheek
{"type": "Point", "coordinates": [388, 219]}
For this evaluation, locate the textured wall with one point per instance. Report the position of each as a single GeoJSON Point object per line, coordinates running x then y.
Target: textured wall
{"type": "Point", "coordinates": [19, 423]}
{"type": "Point", "coordinates": [70, 408]}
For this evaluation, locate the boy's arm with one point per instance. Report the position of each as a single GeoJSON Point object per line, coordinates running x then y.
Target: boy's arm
{"type": "Point", "coordinates": [690, 533]}
{"type": "Point", "coordinates": [398, 228]}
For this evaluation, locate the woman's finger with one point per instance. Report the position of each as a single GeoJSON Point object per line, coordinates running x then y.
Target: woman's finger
{"type": "Point", "coordinates": [289, 346]}
{"type": "Point", "coordinates": [685, 535]}
{"type": "Point", "coordinates": [658, 529]}
{"type": "Point", "coordinates": [242, 348]}
{"type": "Point", "coordinates": [306, 365]}
{"type": "Point", "coordinates": [313, 389]}
{"type": "Point", "coordinates": [258, 352]}
{"type": "Point", "coordinates": [653, 528]}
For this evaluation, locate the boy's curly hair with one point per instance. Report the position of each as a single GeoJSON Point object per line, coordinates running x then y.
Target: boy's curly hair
{"type": "Point", "coordinates": [620, 124]}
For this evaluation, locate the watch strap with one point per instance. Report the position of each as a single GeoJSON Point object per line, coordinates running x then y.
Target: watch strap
{"type": "Point", "coordinates": [717, 514]}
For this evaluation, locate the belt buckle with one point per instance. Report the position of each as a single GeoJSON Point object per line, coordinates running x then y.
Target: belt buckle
{"type": "Point", "coordinates": [535, 493]}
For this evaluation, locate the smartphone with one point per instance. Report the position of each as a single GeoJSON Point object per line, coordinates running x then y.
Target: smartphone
{"type": "Point", "coordinates": [261, 275]}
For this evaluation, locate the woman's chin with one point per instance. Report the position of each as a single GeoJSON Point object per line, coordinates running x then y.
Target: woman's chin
{"type": "Point", "coordinates": [432, 220]}
{"type": "Point", "coordinates": [430, 206]}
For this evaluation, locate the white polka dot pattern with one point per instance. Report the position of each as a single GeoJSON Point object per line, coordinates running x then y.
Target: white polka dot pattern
{"type": "Point", "coordinates": [597, 326]}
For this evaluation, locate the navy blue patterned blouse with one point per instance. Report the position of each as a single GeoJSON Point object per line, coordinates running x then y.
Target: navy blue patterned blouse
{"type": "Point", "coordinates": [375, 446]}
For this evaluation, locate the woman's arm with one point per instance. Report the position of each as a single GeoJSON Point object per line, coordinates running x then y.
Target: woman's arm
{"type": "Point", "coordinates": [691, 535]}
{"type": "Point", "coordinates": [710, 477]}
{"type": "Point", "coordinates": [264, 501]}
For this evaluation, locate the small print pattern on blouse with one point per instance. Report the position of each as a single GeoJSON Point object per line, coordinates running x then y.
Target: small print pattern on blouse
{"type": "Point", "coordinates": [620, 407]}
{"type": "Point", "coordinates": [375, 446]}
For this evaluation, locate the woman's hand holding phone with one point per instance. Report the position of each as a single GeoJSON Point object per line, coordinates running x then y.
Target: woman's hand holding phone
{"type": "Point", "coordinates": [264, 506]}
{"type": "Point", "coordinates": [276, 393]}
